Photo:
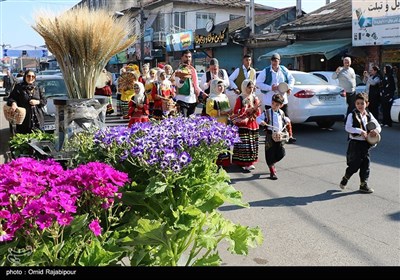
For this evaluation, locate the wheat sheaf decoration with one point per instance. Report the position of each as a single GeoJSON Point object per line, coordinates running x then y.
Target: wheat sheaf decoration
{"type": "Point", "coordinates": [83, 41]}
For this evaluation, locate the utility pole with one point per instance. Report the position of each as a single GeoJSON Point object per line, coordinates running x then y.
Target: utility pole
{"type": "Point", "coordinates": [142, 30]}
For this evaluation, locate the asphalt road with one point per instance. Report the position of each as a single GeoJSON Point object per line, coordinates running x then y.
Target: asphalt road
{"type": "Point", "coordinates": [305, 217]}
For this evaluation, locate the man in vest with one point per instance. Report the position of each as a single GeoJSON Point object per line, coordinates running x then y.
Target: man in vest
{"type": "Point", "coordinates": [268, 81]}
{"type": "Point", "coordinates": [242, 73]}
{"type": "Point", "coordinates": [187, 85]}
{"type": "Point", "coordinates": [213, 72]}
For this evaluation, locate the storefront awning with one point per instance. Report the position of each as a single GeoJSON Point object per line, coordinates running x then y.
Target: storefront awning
{"type": "Point", "coordinates": [328, 48]}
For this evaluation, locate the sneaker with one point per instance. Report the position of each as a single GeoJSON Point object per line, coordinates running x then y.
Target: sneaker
{"type": "Point", "coordinates": [273, 176]}
{"type": "Point", "coordinates": [365, 189]}
{"type": "Point", "coordinates": [292, 140]}
{"type": "Point", "coordinates": [251, 167]}
{"type": "Point", "coordinates": [343, 183]}
{"type": "Point", "coordinates": [246, 169]}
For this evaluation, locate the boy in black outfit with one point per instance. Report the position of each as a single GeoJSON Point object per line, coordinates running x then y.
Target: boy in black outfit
{"type": "Point", "coordinates": [358, 150]}
{"type": "Point", "coordinates": [275, 121]}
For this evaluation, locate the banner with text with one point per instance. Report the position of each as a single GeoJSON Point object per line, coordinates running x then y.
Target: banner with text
{"type": "Point", "coordinates": [375, 22]}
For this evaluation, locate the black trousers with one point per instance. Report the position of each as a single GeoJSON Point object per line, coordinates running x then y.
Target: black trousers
{"type": "Point", "coordinates": [350, 100]}
{"type": "Point", "coordinates": [358, 159]}
{"type": "Point", "coordinates": [186, 109]}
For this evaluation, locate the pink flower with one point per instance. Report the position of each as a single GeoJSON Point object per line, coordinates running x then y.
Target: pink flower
{"type": "Point", "coordinates": [95, 227]}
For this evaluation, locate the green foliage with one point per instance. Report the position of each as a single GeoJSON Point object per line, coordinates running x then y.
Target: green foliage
{"type": "Point", "coordinates": [176, 221]}
{"type": "Point", "coordinates": [19, 143]}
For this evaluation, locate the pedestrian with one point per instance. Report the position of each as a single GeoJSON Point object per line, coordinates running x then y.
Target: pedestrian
{"type": "Point", "coordinates": [347, 79]}
{"type": "Point", "coordinates": [247, 109]}
{"type": "Point", "coordinates": [387, 94]}
{"type": "Point", "coordinates": [275, 121]}
{"type": "Point", "coordinates": [357, 156]}
{"type": "Point", "coordinates": [30, 96]}
{"type": "Point", "coordinates": [9, 81]}
{"type": "Point", "coordinates": [373, 80]}
{"type": "Point", "coordinates": [213, 72]}
{"type": "Point", "coordinates": [268, 82]}
{"type": "Point", "coordinates": [217, 106]}
{"type": "Point", "coordinates": [242, 73]}
{"type": "Point", "coordinates": [103, 88]}
{"type": "Point", "coordinates": [20, 73]}
{"type": "Point", "coordinates": [187, 87]}
{"type": "Point", "coordinates": [138, 105]}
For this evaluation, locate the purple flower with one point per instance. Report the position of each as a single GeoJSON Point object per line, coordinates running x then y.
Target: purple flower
{"type": "Point", "coordinates": [95, 227]}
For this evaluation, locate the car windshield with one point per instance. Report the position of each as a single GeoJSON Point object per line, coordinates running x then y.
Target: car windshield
{"type": "Point", "coordinates": [307, 79]}
{"type": "Point", "coordinates": [54, 87]}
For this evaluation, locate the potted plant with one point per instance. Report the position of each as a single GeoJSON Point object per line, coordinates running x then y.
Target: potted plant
{"type": "Point", "coordinates": [82, 41]}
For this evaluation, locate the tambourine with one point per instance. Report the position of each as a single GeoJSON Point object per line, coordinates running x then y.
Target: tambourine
{"type": "Point", "coordinates": [372, 140]}
{"type": "Point", "coordinates": [283, 87]}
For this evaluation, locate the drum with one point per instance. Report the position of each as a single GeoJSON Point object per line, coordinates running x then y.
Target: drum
{"type": "Point", "coordinates": [373, 140]}
{"type": "Point", "coordinates": [283, 87]}
{"type": "Point", "coordinates": [281, 136]}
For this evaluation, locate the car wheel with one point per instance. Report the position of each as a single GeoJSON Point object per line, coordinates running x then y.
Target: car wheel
{"type": "Point", "coordinates": [325, 124]}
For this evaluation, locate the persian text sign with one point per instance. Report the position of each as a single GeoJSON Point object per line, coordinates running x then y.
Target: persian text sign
{"type": "Point", "coordinates": [375, 22]}
{"type": "Point", "coordinates": [217, 37]}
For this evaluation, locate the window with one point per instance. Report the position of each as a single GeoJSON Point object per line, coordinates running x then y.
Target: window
{"type": "Point", "coordinates": [180, 20]}
{"type": "Point", "coordinates": [232, 17]}
{"type": "Point", "coordinates": [202, 18]}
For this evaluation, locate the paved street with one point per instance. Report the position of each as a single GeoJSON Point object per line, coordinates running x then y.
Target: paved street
{"type": "Point", "coordinates": [305, 218]}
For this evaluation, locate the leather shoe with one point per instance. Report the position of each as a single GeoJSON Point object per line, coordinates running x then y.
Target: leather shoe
{"type": "Point", "coordinates": [292, 140]}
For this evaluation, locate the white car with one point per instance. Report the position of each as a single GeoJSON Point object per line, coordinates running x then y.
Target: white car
{"type": "Point", "coordinates": [312, 100]}
{"type": "Point", "coordinates": [327, 76]}
{"type": "Point", "coordinates": [395, 110]}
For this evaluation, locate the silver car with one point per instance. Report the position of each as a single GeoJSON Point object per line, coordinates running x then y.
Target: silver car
{"type": "Point", "coordinates": [54, 87]}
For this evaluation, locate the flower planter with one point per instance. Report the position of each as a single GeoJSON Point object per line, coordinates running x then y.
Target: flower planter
{"type": "Point", "coordinates": [74, 115]}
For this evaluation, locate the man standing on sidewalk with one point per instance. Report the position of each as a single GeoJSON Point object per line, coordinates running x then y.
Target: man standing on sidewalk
{"type": "Point", "coordinates": [347, 80]}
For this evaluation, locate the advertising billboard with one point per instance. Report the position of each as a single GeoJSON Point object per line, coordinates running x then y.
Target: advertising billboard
{"type": "Point", "coordinates": [179, 41]}
{"type": "Point", "coordinates": [375, 22]}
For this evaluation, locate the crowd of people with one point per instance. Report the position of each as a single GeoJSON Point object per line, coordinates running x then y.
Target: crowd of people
{"type": "Point", "coordinates": [157, 93]}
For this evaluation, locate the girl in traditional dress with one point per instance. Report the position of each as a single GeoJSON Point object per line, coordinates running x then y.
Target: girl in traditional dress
{"type": "Point", "coordinates": [138, 106]}
{"type": "Point", "coordinates": [245, 153]}
{"type": "Point", "coordinates": [148, 88]}
{"type": "Point", "coordinates": [162, 94]}
{"type": "Point", "coordinates": [125, 87]}
{"type": "Point", "coordinates": [217, 106]}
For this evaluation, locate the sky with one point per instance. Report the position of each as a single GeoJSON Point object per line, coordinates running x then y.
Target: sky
{"type": "Point", "coordinates": [16, 17]}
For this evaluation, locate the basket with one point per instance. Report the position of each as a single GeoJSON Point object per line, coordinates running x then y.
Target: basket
{"type": "Point", "coordinates": [14, 117]}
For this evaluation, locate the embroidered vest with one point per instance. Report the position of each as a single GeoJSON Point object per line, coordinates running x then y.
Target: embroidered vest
{"type": "Point", "coordinates": [240, 78]}
{"type": "Point", "coordinates": [268, 75]}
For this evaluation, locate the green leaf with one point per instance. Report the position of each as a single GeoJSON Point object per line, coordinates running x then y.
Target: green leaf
{"type": "Point", "coordinates": [133, 198]}
{"type": "Point", "coordinates": [150, 232]}
{"type": "Point", "coordinates": [155, 186]}
{"type": "Point", "coordinates": [96, 255]}
{"type": "Point", "coordinates": [208, 241]}
{"type": "Point", "coordinates": [210, 260]}
{"type": "Point", "coordinates": [243, 238]}
{"type": "Point", "coordinates": [78, 223]}
{"type": "Point", "coordinates": [231, 195]}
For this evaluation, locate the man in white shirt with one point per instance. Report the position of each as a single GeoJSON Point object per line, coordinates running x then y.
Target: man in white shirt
{"type": "Point", "coordinates": [242, 73]}
{"type": "Point", "coordinates": [268, 81]}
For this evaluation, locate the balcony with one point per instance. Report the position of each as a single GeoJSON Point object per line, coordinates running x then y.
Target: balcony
{"type": "Point", "coordinates": [159, 37]}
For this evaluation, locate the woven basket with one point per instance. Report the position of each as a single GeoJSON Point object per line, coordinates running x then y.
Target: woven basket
{"type": "Point", "coordinates": [14, 117]}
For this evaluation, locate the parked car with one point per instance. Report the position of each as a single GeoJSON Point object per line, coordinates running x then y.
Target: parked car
{"type": "Point", "coordinates": [312, 100]}
{"type": "Point", "coordinates": [54, 87]}
{"type": "Point", "coordinates": [327, 76]}
{"type": "Point", "coordinates": [395, 110]}
{"type": "Point", "coordinates": [50, 72]}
